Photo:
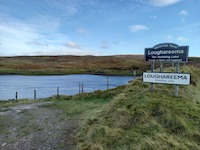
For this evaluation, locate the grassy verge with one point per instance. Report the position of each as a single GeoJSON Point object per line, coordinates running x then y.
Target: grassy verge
{"type": "Point", "coordinates": [140, 119]}
{"type": "Point", "coordinates": [84, 104]}
{"type": "Point", "coordinates": [79, 106]}
{"type": "Point", "coordinates": [1, 125]}
{"type": "Point", "coordinates": [18, 102]}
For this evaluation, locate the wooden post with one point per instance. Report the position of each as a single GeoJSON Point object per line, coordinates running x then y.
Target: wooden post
{"type": "Point", "coordinates": [57, 91]}
{"type": "Point", "coordinates": [82, 88]}
{"type": "Point", "coordinates": [79, 88]}
{"type": "Point", "coordinates": [34, 94]}
{"type": "Point", "coordinates": [16, 95]}
{"type": "Point", "coordinates": [134, 73]}
{"type": "Point", "coordinates": [161, 67]}
{"type": "Point", "coordinates": [152, 70]}
{"type": "Point", "coordinates": [107, 83]}
{"type": "Point", "coordinates": [177, 86]}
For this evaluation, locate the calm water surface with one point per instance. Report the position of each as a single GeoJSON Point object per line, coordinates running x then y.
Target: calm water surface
{"type": "Point", "coordinates": [46, 86]}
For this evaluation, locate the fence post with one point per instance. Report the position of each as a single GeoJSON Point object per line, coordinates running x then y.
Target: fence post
{"type": "Point", "coordinates": [16, 95]}
{"type": "Point", "coordinates": [135, 73]}
{"type": "Point", "coordinates": [34, 94]}
{"type": "Point", "coordinates": [57, 91]}
{"type": "Point", "coordinates": [79, 88]}
{"type": "Point", "coordinates": [107, 83]}
{"type": "Point", "coordinates": [82, 88]}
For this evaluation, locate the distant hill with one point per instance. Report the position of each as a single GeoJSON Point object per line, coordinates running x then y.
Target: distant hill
{"type": "Point", "coordinates": [53, 65]}
{"type": "Point", "coordinates": [44, 65]}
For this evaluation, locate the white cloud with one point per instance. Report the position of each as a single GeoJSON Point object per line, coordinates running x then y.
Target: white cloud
{"type": "Point", "coordinates": [182, 39]}
{"type": "Point", "coordinates": [36, 43]}
{"type": "Point", "coordinates": [136, 28]}
{"type": "Point", "coordinates": [61, 52]}
{"type": "Point", "coordinates": [162, 3]}
{"type": "Point", "coordinates": [16, 41]}
{"type": "Point", "coordinates": [14, 37]}
{"type": "Point", "coordinates": [71, 44]}
{"type": "Point", "coordinates": [183, 13]}
{"type": "Point", "coordinates": [34, 37]}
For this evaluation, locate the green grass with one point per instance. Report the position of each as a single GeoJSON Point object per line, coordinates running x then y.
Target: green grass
{"type": "Point", "coordinates": [2, 128]}
{"type": "Point", "coordinates": [5, 104]}
{"type": "Point", "coordinates": [138, 118]}
{"type": "Point", "coordinates": [83, 104]}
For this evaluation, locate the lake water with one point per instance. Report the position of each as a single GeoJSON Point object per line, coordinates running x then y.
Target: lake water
{"type": "Point", "coordinates": [46, 86]}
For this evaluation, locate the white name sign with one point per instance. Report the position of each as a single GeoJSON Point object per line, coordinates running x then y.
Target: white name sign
{"type": "Point", "coordinates": [167, 78]}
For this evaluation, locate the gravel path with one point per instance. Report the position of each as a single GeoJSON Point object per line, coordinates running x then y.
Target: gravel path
{"type": "Point", "coordinates": [36, 127]}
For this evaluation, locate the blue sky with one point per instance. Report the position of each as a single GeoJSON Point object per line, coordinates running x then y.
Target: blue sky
{"type": "Point", "coordinates": [96, 27]}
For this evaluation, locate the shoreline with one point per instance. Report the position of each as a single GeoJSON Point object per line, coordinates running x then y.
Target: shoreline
{"type": "Point", "coordinates": [73, 86]}
{"type": "Point", "coordinates": [62, 74]}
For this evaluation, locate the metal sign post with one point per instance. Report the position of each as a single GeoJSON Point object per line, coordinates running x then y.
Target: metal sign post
{"type": "Point", "coordinates": [161, 67]}
{"type": "Point", "coordinates": [177, 86]}
{"type": "Point", "coordinates": [166, 53]}
{"type": "Point", "coordinates": [152, 70]}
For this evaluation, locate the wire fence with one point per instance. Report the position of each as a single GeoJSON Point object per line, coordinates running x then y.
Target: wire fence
{"type": "Point", "coordinates": [23, 87]}
{"type": "Point", "coordinates": [46, 92]}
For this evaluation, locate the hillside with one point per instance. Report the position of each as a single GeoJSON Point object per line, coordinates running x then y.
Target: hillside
{"type": "Point", "coordinates": [44, 65]}
{"type": "Point", "coordinates": [138, 118]}
{"type": "Point", "coordinates": [61, 65]}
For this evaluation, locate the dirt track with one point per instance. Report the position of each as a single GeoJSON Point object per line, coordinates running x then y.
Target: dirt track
{"type": "Point", "coordinates": [35, 126]}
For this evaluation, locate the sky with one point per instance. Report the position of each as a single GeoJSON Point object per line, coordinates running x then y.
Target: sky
{"type": "Point", "coordinates": [96, 27]}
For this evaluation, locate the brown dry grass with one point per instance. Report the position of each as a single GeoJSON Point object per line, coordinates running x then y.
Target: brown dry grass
{"type": "Point", "coordinates": [120, 64]}
{"type": "Point", "coordinates": [50, 65]}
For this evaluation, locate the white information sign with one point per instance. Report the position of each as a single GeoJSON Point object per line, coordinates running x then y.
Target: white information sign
{"type": "Point", "coordinates": [167, 78]}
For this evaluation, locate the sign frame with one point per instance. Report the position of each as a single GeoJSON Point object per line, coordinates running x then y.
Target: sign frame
{"type": "Point", "coordinates": [167, 78]}
{"type": "Point", "coordinates": [167, 53]}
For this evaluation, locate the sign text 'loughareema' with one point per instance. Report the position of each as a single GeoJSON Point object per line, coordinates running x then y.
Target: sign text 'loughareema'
{"type": "Point", "coordinates": [167, 78]}
{"type": "Point", "coordinates": [167, 52]}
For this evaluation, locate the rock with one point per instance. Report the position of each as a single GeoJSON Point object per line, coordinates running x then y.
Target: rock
{"type": "Point", "coordinates": [3, 144]}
